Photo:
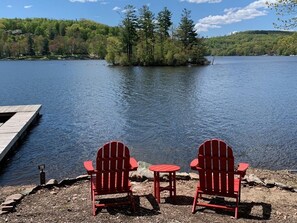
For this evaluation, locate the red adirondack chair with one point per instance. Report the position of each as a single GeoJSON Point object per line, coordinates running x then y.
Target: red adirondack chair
{"type": "Point", "coordinates": [111, 175]}
{"type": "Point", "coordinates": [217, 176]}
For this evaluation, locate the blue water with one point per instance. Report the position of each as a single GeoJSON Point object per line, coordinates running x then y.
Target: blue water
{"type": "Point", "coordinates": [161, 113]}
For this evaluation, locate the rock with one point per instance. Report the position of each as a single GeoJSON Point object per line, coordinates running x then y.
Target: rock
{"type": "Point", "coordinates": [14, 197]}
{"type": "Point", "coordinates": [4, 212]}
{"type": "Point", "coordinates": [252, 179]}
{"type": "Point", "coordinates": [7, 208]}
{"type": "Point", "coordinates": [29, 190]}
{"type": "Point", "coordinates": [134, 175]}
{"type": "Point", "coordinates": [9, 203]}
{"type": "Point", "coordinates": [83, 177]}
{"type": "Point", "coordinates": [194, 176]}
{"type": "Point", "coordinates": [142, 172]}
{"type": "Point", "coordinates": [67, 181]}
{"type": "Point", "coordinates": [182, 176]}
{"type": "Point", "coordinates": [143, 165]}
{"type": "Point", "coordinates": [269, 183]}
{"type": "Point", "coordinates": [146, 174]}
{"type": "Point", "coordinates": [283, 186]}
{"type": "Point", "coordinates": [51, 183]}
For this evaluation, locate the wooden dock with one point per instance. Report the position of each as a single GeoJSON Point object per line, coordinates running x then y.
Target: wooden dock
{"type": "Point", "coordinates": [14, 121]}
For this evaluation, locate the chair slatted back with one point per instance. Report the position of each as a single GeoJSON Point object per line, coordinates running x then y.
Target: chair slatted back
{"type": "Point", "coordinates": [216, 163]}
{"type": "Point", "coordinates": [112, 168]}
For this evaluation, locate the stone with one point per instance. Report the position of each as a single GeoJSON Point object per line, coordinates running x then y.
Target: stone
{"type": "Point", "coordinates": [182, 176]}
{"type": "Point", "coordinates": [6, 208]}
{"type": "Point", "coordinates": [67, 181]}
{"type": "Point", "coordinates": [14, 197]}
{"type": "Point", "coordinates": [29, 190]}
{"type": "Point", "coordinates": [83, 177]}
{"type": "Point", "coordinates": [51, 182]}
{"type": "Point", "coordinates": [4, 212]}
{"type": "Point", "coordinates": [9, 203]}
{"type": "Point", "coordinates": [143, 165]}
{"type": "Point", "coordinates": [194, 176]}
{"type": "Point", "coordinates": [269, 183]}
{"type": "Point", "coordinates": [283, 186]}
{"type": "Point", "coordinates": [134, 175]}
{"type": "Point", "coordinates": [252, 179]}
{"type": "Point", "coordinates": [146, 174]}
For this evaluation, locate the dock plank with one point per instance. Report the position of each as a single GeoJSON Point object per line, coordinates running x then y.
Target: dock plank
{"type": "Point", "coordinates": [14, 128]}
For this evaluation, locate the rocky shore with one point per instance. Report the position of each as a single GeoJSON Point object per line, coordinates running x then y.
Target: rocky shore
{"type": "Point", "coordinates": [266, 196]}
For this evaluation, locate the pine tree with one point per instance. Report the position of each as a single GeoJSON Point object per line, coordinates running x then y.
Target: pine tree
{"type": "Point", "coordinates": [163, 26]}
{"type": "Point", "coordinates": [129, 31]}
{"type": "Point", "coordinates": [186, 31]}
{"type": "Point", "coordinates": [147, 35]}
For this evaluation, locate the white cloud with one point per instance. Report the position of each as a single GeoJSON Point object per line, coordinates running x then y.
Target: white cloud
{"type": "Point", "coordinates": [202, 1]}
{"type": "Point", "coordinates": [9, 6]}
{"type": "Point", "coordinates": [83, 1]}
{"type": "Point", "coordinates": [116, 8]}
{"type": "Point", "coordinates": [233, 15]}
{"type": "Point", "coordinates": [27, 6]}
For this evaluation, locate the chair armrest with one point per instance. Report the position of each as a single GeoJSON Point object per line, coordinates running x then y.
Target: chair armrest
{"type": "Point", "coordinates": [133, 164]}
{"type": "Point", "coordinates": [241, 169]}
{"type": "Point", "coordinates": [194, 164]}
{"type": "Point", "coordinates": [89, 167]}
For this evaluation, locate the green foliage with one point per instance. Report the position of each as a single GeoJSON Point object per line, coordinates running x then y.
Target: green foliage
{"type": "Point", "coordinates": [186, 32]}
{"type": "Point", "coordinates": [154, 45]}
{"type": "Point", "coordinates": [146, 33]}
{"type": "Point", "coordinates": [141, 39]}
{"type": "Point", "coordinates": [128, 31]}
{"type": "Point", "coordinates": [45, 37]}
{"type": "Point", "coordinates": [114, 50]}
{"type": "Point", "coordinates": [252, 43]}
{"type": "Point", "coordinates": [164, 23]}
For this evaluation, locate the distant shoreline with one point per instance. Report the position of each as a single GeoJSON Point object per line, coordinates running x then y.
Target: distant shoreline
{"type": "Point", "coordinates": [81, 57]}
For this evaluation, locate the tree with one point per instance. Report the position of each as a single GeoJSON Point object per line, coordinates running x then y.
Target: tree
{"type": "Point", "coordinates": [147, 35]}
{"type": "Point", "coordinates": [285, 8]}
{"type": "Point", "coordinates": [113, 50]}
{"type": "Point", "coordinates": [30, 48]}
{"type": "Point", "coordinates": [164, 22]}
{"type": "Point", "coordinates": [163, 26]}
{"type": "Point", "coordinates": [186, 31]}
{"type": "Point", "coordinates": [128, 31]}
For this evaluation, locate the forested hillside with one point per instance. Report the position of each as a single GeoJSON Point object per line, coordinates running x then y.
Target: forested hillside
{"type": "Point", "coordinates": [141, 38]}
{"type": "Point", "coordinates": [51, 38]}
{"type": "Point", "coordinates": [251, 43]}
{"type": "Point", "coordinates": [137, 40]}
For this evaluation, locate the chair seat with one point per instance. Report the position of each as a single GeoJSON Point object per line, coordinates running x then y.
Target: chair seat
{"type": "Point", "coordinates": [109, 190]}
{"type": "Point", "coordinates": [225, 194]}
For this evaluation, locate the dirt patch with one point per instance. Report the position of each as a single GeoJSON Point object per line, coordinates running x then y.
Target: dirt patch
{"type": "Point", "coordinates": [72, 204]}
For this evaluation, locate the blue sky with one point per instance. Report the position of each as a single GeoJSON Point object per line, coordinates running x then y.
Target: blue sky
{"type": "Point", "coordinates": [212, 17]}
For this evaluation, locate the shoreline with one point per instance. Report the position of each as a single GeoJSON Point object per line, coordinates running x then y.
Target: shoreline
{"type": "Point", "coordinates": [255, 179]}
{"type": "Point", "coordinates": [266, 196]}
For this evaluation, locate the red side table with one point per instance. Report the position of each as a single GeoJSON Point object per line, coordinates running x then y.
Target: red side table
{"type": "Point", "coordinates": [164, 168]}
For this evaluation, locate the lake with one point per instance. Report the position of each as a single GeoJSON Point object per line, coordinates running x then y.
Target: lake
{"type": "Point", "coordinates": [162, 113]}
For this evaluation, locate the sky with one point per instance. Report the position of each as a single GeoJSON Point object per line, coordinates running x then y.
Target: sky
{"type": "Point", "coordinates": [211, 17]}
